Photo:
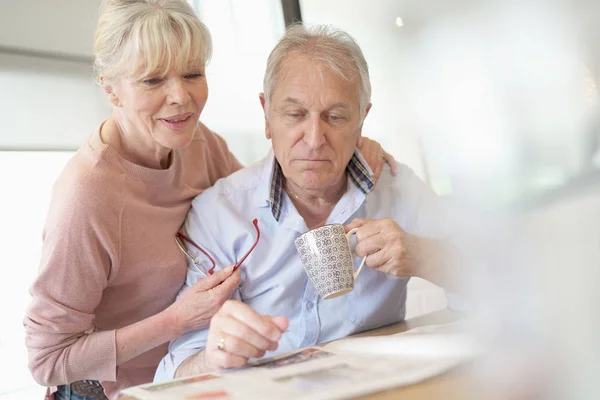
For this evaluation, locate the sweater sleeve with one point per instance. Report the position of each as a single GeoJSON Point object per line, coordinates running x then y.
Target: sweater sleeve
{"type": "Point", "coordinates": [80, 250]}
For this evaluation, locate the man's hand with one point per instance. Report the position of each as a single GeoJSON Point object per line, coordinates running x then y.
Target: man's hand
{"type": "Point", "coordinates": [388, 247]}
{"type": "Point", "coordinates": [236, 333]}
{"type": "Point", "coordinates": [391, 250]}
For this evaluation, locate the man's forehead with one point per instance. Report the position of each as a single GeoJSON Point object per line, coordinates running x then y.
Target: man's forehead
{"type": "Point", "coordinates": [295, 101]}
{"type": "Point", "coordinates": [301, 80]}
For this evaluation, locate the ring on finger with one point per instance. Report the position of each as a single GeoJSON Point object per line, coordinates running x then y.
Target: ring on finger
{"type": "Point", "coordinates": [221, 343]}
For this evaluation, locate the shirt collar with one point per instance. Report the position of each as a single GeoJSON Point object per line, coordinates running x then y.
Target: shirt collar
{"type": "Point", "coordinates": [358, 170]}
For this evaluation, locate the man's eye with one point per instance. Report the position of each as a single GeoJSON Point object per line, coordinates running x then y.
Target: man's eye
{"type": "Point", "coordinates": [152, 81]}
{"type": "Point", "coordinates": [335, 118]}
{"type": "Point", "coordinates": [294, 115]}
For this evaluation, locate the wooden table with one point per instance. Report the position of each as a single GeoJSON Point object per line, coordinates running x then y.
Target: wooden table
{"type": "Point", "coordinates": [451, 385]}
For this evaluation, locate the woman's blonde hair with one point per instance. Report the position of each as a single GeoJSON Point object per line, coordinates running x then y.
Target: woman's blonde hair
{"type": "Point", "coordinates": [148, 37]}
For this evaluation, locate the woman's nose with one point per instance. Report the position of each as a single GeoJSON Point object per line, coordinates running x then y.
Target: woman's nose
{"type": "Point", "coordinates": [177, 92]}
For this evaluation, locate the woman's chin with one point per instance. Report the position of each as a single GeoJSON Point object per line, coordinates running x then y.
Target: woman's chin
{"type": "Point", "coordinates": [176, 141]}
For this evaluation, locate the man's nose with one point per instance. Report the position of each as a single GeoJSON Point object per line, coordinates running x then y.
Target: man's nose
{"type": "Point", "coordinates": [177, 92]}
{"type": "Point", "coordinates": [316, 128]}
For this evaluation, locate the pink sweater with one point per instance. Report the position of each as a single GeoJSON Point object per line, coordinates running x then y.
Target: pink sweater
{"type": "Point", "coordinates": [109, 258]}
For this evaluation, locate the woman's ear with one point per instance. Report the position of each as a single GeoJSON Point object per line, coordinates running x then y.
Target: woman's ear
{"type": "Point", "coordinates": [108, 89]}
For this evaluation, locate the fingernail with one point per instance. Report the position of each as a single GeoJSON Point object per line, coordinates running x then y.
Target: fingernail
{"type": "Point", "coordinates": [229, 269]}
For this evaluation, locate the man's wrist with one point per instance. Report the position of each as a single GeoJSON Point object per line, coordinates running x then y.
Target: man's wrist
{"type": "Point", "coordinates": [202, 362]}
{"type": "Point", "coordinates": [193, 365]}
{"type": "Point", "coordinates": [439, 263]}
{"type": "Point", "coordinates": [426, 258]}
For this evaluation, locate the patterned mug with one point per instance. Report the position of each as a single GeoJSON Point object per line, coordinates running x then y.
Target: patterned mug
{"type": "Point", "coordinates": [327, 259]}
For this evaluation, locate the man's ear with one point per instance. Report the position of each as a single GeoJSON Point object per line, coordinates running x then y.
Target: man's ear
{"type": "Point", "coordinates": [359, 139]}
{"type": "Point", "coordinates": [367, 111]}
{"type": "Point", "coordinates": [112, 96]}
{"type": "Point", "coordinates": [263, 104]}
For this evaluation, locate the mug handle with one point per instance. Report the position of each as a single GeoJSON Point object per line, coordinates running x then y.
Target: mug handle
{"type": "Point", "coordinates": [348, 235]}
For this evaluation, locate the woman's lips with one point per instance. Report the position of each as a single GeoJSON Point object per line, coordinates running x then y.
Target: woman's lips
{"type": "Point", "coordinates": [178, 122]}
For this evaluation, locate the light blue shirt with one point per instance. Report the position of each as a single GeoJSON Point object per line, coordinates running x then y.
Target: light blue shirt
{"type": "Point", "coordinates": [273, 279]}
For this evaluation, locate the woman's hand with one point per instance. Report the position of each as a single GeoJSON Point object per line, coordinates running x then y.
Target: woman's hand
{"type": "Point", "coordinates": [376, 157]}
{"type": "Point", "coordinates": [194, 308]}
{"type": "Point", "coordinates": [238, 333]}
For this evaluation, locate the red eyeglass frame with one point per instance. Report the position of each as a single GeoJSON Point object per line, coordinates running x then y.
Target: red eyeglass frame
{"type": "Point", "coordinates": [238, 264]}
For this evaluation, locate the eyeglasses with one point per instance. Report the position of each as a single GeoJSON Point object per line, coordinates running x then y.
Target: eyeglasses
{"type": "Point", "coordinates": [181, 236]}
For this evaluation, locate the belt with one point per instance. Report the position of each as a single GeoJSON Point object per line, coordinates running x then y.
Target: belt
{"type": "Point", "coordinates": [89, 388]}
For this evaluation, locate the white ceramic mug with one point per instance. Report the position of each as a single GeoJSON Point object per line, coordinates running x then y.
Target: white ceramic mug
{"type": "Point", "coordinates": [327, 259]}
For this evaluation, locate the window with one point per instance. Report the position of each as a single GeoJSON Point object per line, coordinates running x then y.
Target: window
{"type": "Point", "coordinates": [243, 34]}
{"type": "Point", "coordinates": [27, 180]}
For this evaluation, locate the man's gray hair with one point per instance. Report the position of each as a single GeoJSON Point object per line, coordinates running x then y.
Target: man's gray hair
{"type": "Point", "coordinates": [332, 47]}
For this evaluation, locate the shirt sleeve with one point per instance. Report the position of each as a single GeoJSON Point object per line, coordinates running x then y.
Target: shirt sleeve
{"type": "Point", "coordinates": [439, 217]}
{"type": "Point", "coordinates": [75, 269]}
{"type": "Point", "coordinates": [180, 350]}
{"type": "Point", "coordinates": [202, 228]}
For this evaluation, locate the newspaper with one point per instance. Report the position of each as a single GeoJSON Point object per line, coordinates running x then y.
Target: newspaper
{"type": "Point", "coordinates": [310, 373]}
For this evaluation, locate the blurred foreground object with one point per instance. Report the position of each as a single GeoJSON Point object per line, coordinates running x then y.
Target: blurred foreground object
{"type": "Point", "coordinates": [506, 106]}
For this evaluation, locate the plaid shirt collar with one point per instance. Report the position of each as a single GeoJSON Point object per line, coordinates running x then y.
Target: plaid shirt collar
{"type": "Point", "coordinates": [358, 170]}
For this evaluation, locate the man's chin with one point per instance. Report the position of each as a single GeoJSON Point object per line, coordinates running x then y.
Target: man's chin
{"type": "Point", "coordinates": [316, 181]}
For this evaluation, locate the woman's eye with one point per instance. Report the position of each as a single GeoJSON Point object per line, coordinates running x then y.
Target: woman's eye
{"type": "Point", "coordinates": [194, 76]}
{"type": "Point", "coordinates": [152, 81]}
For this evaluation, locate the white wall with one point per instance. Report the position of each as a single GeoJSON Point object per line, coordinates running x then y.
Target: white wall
{"type": "Point", "coordinates": [61, 26]}
{"type": "Point", "coordinates": [47, 104]}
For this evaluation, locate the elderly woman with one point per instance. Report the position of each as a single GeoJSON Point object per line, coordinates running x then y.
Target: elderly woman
{"type": "Point", "coordinates": [104, 305]}
{"type": "Point", "coordinates": [316, 98]}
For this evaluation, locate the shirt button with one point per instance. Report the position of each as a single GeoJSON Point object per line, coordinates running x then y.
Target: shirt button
{"type": "Point", "coordinates": [353, 319]}
{"type": "Point", "coordinates": [309, 305]}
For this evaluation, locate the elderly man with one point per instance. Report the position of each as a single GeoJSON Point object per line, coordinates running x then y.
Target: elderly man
{"type": "Point", "coordinates": [316, 97]}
